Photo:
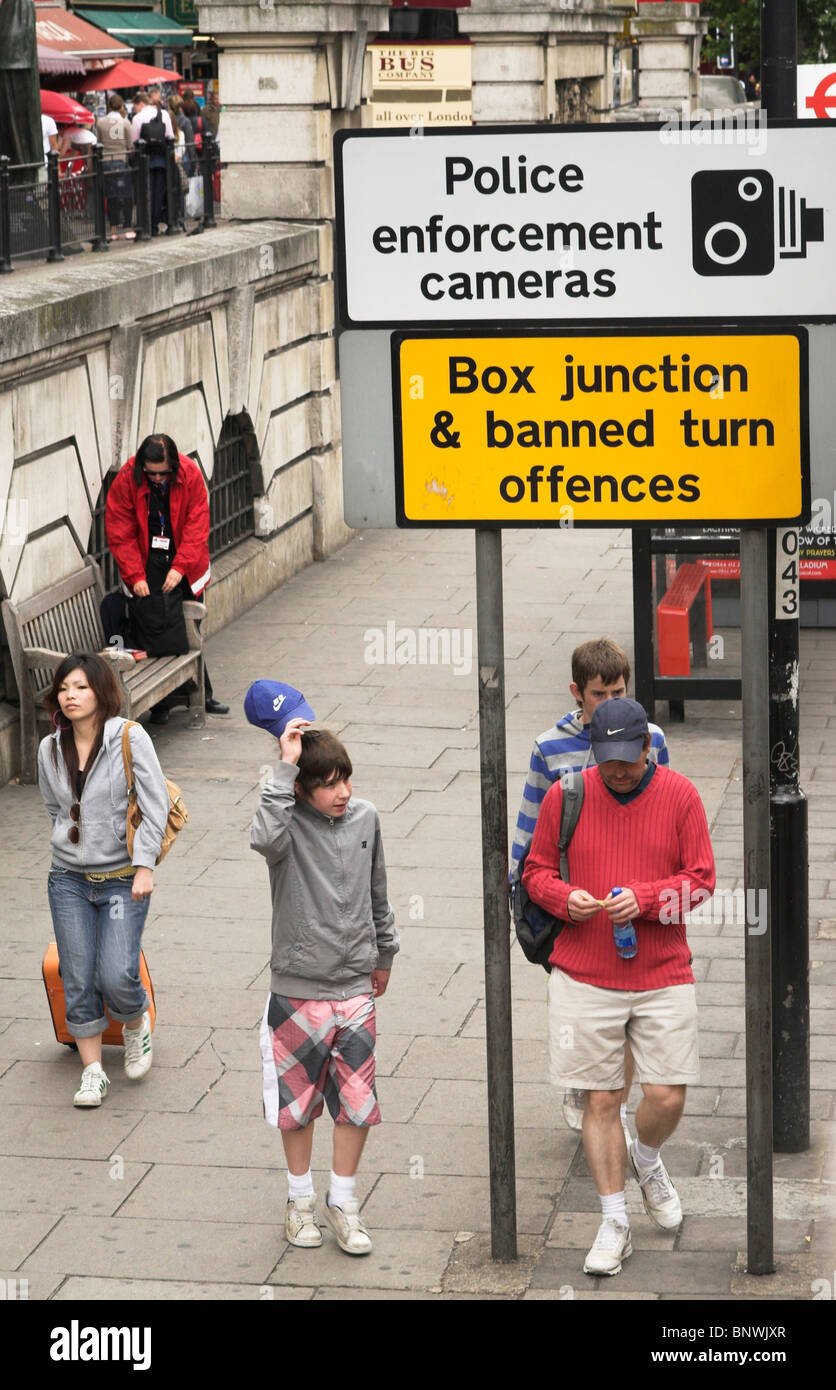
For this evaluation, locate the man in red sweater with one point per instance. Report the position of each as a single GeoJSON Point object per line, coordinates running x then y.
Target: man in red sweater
{"type": "Point", "coordinates": [642, 831]}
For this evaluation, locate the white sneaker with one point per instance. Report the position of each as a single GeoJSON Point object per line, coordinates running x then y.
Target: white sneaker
{"type": "Point", "coordinates": [93, 1088]}
{"type": "Point", "coordinates": [612, 1245]}
{"type": "Point", "coordinates": [139, 1052]}
{"type": "Point", "coordinates": [352, 1236]}
{"type": "Point", "coordinates": [658, 1194]}
{"type": "Point", "coordinates": [300, 1224]}
{"type": "Point", "coordinates": [573, 1103]}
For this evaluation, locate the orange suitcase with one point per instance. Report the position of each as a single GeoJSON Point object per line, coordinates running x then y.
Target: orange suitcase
{"type": "Point", "coordinates": [55, 994]}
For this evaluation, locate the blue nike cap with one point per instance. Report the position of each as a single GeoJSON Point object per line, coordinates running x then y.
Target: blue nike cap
{"type": "Point", "coordinates": [270, 705]}
{"type": "Point", "coordinates": [617, 731]}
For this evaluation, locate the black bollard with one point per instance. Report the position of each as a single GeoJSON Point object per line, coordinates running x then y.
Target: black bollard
{"type": "Point", "coordinates": [100, 239]}
{"type": "Point", "coordinates": [143, 193]}
{"type": "Point", "coordinates": [172, 190]}
{"type": "Point", "coordinates": [208, 158]}
{"type": "Point", "coordinates": [6, 266]}
{"type": "Point", "coordinates": [54, 207]}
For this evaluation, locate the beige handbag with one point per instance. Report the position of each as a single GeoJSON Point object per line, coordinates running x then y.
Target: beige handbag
{"type": "Point", "coordinates": [177, 813]}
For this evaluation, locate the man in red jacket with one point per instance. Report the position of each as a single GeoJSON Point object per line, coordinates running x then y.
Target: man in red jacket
{"type": "Point", "coordinates": [157, 523]}
{"type": "Point", "coordinates": [640, 849]}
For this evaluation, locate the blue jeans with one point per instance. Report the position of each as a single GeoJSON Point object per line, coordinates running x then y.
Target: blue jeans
{"type": "Point", "coordinates": [98, 929]}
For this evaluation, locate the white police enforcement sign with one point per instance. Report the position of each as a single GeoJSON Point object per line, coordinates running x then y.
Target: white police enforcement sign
{"type": "Point", "coordinates": [588, 224]}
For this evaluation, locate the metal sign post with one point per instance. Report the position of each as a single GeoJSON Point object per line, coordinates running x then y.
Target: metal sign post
{"type": "Point", "coordinates": [790, 867]}
{"type": "Point", "coordinates": [491, 658]}
{"type": "Point", "coordinates": [754, 632]}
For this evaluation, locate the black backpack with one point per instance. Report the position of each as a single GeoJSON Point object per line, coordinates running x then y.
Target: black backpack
{"type": "Point", "coordinates": [154, 130]}
{"type": "Point", "coordinates": [536, 929]}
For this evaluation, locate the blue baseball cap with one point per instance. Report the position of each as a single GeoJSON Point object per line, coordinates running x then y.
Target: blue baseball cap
{"type": "Point", "coordinates": [617, 731]}
{"type": "Point", "coordinates": [270, 705]}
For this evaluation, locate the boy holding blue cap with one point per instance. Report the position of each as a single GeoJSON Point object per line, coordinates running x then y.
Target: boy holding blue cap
{"type": "Point", "coordinates": [333, 943]}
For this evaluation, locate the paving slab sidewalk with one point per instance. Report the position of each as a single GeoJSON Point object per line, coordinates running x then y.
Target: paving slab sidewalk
{"type": "Point", "coordinates": [175, 1189]}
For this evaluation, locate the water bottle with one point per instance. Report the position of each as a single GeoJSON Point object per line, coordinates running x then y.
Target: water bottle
{"type": "Point", "coordinates": [624, 936]}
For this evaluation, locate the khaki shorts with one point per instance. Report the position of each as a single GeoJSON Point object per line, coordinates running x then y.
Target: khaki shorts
{"type": "Point", "coordinates": [588, 1027]}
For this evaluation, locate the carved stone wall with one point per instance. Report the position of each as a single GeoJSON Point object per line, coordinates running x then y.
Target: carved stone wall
{"type": "Point", "coordinates": [99, 353]}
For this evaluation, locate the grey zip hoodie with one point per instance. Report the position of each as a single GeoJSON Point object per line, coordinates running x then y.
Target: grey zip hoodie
{"type": "Point", "coordinates": [332, 923]}
{"type": "Point", "coordinates": [104, 803]}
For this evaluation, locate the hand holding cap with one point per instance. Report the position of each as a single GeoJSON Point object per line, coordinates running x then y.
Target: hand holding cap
{"type": "Point", "coordinates": [271, 705]}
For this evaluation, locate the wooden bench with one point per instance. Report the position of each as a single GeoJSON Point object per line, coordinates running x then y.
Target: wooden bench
{"type": "Point", "coordinates": [683, 621]}
{"type": "Point", "coordinates": [65, 618]}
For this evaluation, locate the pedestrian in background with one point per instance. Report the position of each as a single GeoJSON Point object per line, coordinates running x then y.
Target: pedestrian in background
{"type": "Point", "coordinates": [49, 133]}
{"type": "Point", "coordinates": [212, 114]}
{"type": "Point", "coordinates": [183, 132]}
{"type": "Point", "coordinates": [153, 124]}
{"type": "Point", "coordinates": [193, 113]}
{"type": "Point", "coordinates": [113, 132]}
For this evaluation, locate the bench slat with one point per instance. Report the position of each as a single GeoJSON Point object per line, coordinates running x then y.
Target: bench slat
{"type": "Point", "coordinates": [48, 598]}
{"type": "Point", "coordinates": [138, 683]}
{"type": "Point", "coordinates": [80, 638]}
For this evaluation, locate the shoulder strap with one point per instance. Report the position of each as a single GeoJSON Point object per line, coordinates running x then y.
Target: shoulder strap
{"type": "Point", "coordinates": [572, 788]}
{"type": "Point", "coordinates": [127, 760]}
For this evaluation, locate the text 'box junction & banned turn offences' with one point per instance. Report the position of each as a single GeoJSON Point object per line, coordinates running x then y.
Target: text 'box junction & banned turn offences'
{"type": "Point", "coordinates": [594, 428]}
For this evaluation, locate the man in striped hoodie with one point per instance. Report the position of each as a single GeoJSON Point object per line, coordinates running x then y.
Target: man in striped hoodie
{"type": "Point", "coordinates": [642, 832]}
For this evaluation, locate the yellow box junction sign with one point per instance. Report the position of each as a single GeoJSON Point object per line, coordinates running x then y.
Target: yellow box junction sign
{"type": "Point", "coordinates": [602, 429]}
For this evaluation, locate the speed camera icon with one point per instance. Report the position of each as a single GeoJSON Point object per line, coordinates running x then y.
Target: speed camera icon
{"type": "Point", "coordinates": [737, 222]}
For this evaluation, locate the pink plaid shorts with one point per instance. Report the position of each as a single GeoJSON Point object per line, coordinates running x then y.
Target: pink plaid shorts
{"type": "Point", "coordinates": [317, 1051]}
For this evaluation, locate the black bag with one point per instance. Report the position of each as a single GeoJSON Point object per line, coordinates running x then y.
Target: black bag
{"type": "Point", "coordinates": [154, 130]}
{"type": "Point", "coordinates": [160, 624]}
{"type": "Point", "coordinates": [536, 928]}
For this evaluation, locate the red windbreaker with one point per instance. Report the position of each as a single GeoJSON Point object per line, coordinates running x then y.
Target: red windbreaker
{"type": "Point", "coordinates": [126, 523]}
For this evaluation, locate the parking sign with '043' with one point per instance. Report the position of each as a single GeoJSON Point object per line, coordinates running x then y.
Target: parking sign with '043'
{"type": "Point", "coordinates": [700, 223]}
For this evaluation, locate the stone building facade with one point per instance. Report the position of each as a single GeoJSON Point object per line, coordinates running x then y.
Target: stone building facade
{"type": "Point", "coordinates": [223, 341]}
{"type": "Point", "coordinates": [226, 341]}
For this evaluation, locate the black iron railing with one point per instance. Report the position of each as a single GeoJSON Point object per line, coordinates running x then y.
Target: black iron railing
{"type": "Point", "coordinates": [92, 198]}
{"type": "Point", "coordinates": [97, 546]}
{"type": "Point", "coordinates": [231, 488]}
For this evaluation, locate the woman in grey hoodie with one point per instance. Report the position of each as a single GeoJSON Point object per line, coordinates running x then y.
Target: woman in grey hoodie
{"type": "Point", "coordinates": [97, 896]}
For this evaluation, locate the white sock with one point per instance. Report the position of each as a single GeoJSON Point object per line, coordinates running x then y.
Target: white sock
{"type": "Point", "coordinates": [299, 1185]}
{"type": "Point", "coordinates": [624, 1112]}
{"type": "Point", "coordinates": [645, 1158]}
{"type": "Point", "coordinates": [613, 1206]}
{"type": "Point", "coordinates": [339, 1189]}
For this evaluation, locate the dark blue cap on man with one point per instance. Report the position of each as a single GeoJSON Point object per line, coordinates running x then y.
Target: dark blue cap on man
{"type": "Point", "coordinates": [270, 704]}
{"type": "Point", "coordinates": [618, 730]}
